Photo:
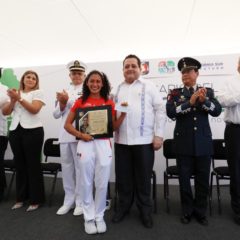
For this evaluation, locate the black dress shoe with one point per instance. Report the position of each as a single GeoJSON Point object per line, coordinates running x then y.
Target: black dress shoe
{"type": "Point", "coordinates": [186, 219]}
{"type": "Point", "coordinates": [202, 220]}
{"type": "Point", "coordinates": [147, 221]}
{"type": "Point", "coordinates": [237, 219]}
{"type": "Point", "coordinates": [119, 216]}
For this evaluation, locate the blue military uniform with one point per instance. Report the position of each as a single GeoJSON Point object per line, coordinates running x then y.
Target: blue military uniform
{"type": "Point", "coordinates": [193, 141]}
{"type": "Point", "coordinates": [192, 132]}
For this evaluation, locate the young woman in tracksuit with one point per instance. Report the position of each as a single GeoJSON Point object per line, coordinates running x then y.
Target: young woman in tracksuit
{"type": "Point", "coordinates": [95, 155]}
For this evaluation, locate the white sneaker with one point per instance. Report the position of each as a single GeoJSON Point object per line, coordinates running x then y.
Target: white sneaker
{"type": "Point", "coordinates": [32, 207]}
{"type": "Point", "coordinates": [17, 205]}
{"type": "Point", "coordinates": [101, 226]}
{"type": "Point", "coordinates": [78, 211]}
{"type": "Point", "coordinates": [90, 227]}
{"type": "Point", "coordinates": [63, 210]}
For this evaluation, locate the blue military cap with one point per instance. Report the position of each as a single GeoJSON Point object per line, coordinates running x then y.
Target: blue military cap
{"type": "Point", "coordinates": [77, 65]}
{"type": "Point", "coordinates": [188, 63]}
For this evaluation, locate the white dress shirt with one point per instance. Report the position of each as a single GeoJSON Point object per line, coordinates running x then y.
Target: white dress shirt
{"type": "Point", "coordinates": [3, 95]}
{"type": "Point", "coordinates": [229, 98]}
{"type": "Point", "coordinates": [3, 124]}
{"type": "Point", "coordinates": [74, 92]}
{"type": "Point", "coordinates": [146, 116]}
{"type": "Point", "coordinates": [22, 116]}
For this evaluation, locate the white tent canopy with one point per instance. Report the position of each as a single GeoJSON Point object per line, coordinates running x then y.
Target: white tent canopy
{"type": "Point", "coordinates": [46, 32]}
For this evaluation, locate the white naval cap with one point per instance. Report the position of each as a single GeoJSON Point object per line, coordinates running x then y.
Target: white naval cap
{"type": "Point", "coordinates": [77, 65]}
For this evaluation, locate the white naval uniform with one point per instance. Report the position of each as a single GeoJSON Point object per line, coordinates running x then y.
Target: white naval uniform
{"type": "Point", "coordinates": [68, 149]}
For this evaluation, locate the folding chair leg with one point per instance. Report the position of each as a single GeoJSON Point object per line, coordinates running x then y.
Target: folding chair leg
{"type": "Point", "coordinates": [166, 192]}
{"type": "Point", "coordinates": [167, 196]}
{"type": "Point", "coordinates": [10, 185]}
{"type": "Point", "coordinates": [154, 191]}
{"type": "Point", "coordinates": [219, 196]}
{"type": "Point", "coordinates": [167, 202]}
{"type": "Point", "coordinates": [210, 195]}
{"type": "Point", "coordinates": [53, 189]}
{"type": "Point", "coordinates": [164, 186]}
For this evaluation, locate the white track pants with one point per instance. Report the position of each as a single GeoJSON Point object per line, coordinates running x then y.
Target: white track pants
{"type": "Point", "coordinates": [70, 171]}
{"type": "Point", "coordinates": [95, 159]}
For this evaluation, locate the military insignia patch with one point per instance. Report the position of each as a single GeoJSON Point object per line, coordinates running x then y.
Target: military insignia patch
{"type": "Point", "coordinates": [182, 98]}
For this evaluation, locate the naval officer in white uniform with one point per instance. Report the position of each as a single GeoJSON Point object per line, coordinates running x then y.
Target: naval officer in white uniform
{"type": "Point", "coordinates": [68, 143]}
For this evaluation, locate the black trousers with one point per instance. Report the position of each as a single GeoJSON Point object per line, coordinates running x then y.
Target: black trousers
{"type": "Point", "coordinates": [133, 167]}
{"type": "Point", "coordinates": [200, 168]}
{"type": "Point", "coordinates": [3, 147]}
{"type": "Point", "coordinates": [26, 145]}
{"type": "Point", "coordinates": [231, 135]}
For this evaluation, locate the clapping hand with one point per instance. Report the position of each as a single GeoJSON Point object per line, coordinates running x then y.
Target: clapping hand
{"type": "Point", "coordinates": [62, 97]}
{"type": "Point", "coordinates": [194, 98]}
{"type": "Point", "coordinates": [14, 94]}
{"type": "Point", "coordinates": [202, 94]}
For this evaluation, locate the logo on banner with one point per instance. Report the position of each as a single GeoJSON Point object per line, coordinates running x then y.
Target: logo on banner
{"type": "Point", "coordinates": [166, 66]}
{"type": "Point", "coordinates": [145, 67]}
{"type": "Point", "coordinates": [213, 66]}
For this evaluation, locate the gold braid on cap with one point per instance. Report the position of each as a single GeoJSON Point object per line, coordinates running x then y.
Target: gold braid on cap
{"type": "Point", "coordinates": [76, 63]}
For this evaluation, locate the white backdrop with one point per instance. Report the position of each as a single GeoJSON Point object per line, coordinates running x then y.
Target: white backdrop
{"type": "Point", "coordinates": [162, 72]}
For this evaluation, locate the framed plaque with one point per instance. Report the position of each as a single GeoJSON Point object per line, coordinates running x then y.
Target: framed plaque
{"type": "Point", "coordinates": [96, 121]}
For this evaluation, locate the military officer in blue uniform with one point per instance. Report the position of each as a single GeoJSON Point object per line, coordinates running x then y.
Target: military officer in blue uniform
{"type": "Point", "coordinates": [190, 107]}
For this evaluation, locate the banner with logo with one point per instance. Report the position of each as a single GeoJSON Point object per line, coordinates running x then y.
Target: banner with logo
{"type": "Point", "coordinates": [162, 72]}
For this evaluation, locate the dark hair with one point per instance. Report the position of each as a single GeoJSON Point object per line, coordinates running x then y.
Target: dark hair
{"type": "Point", "coordinates": [105, 90]}
{"type": "Point", "coordinates": [133, 56]}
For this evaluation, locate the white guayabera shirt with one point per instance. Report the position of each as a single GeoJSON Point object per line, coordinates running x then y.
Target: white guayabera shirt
{"type": "Point", "coordinates": [146, 116]}
{"type": "Point", "coordinates": [229, 98]}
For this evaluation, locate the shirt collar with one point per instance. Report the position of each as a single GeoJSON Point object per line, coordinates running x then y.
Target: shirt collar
{"type": "Point", "coordinates": [194, 87]}
{"type": "Point", "coordinates": [139, 80]}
